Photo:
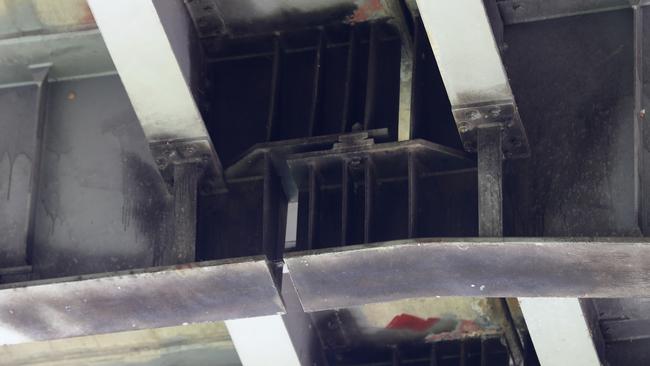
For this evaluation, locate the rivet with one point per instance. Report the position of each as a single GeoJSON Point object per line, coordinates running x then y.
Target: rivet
{"type": "Point", "coordinates": [463, 127]}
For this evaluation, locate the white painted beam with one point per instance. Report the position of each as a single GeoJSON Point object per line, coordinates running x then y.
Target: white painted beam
{"type": "Point", "coordinates": [144, 58]}
{"type": "Point", "coordinates": [150, 44]}
{"type": "Point", "coordinates": [467, 54]}
{"type": "Point", "coordinates": [559, 331]}
{"type": "Point", "coordinates": [262, 341]}
{"type": "Point", "coordinates": [469, 60]}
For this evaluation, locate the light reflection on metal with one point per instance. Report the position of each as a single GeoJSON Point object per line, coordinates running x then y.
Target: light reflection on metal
{"type": "Point", "coordinates": [131, 300]}
{"type": "Point", "coordinates": [528, 267]}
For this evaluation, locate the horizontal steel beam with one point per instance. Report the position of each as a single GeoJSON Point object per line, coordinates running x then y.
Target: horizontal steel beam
{"type": "Point", "coordinates": [530, 267]}
{"type": "Point", "coordinates": [152, 298]}
{"type": "Point", "coordinates": [73, 55]}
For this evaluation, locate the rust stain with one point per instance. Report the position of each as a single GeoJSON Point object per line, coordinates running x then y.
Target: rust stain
{"type": "Point", "coordinates": [465, 328]}
{"type": "Point", "coordinates": [367, 10]}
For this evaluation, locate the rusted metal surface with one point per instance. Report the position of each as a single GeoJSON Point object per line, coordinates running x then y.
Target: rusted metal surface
{"type": "Point", "coordinates": [152, 298]}
{"type": "Point", "coordinates": [532, 267]}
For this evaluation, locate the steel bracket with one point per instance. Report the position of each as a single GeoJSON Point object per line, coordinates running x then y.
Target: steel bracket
{"type": "Point", "coordinates": [470, 118]}
{"type": "Point", "coordinates": [169, 153]}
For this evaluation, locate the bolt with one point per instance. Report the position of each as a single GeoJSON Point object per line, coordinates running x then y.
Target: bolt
{"type": "Point", "coordinates": [168, 153]}
{"type": "Point", "coordinates": [472, 115]}
{"type": "Point", "coordinates": [495, 112]}
{"type": "Point", "coordinates": [463, 127]}
{"type": "Point", "coordinates": [189, 150]}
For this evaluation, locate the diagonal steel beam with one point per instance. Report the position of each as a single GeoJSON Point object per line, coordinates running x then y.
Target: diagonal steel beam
{"type": "Point", "coordinates": [470, 64]}
{"type": "Point", "coordinates": [154, 71]}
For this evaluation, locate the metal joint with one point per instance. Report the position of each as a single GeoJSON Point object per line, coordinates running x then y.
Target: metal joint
{"type": "Point", "coordinates": [470, 118]}
{"type": "Point", "coordinates": [168, 154]}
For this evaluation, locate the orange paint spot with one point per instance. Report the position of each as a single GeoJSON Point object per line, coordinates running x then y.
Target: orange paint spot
{"type": "Point", "coordinates": [366, 11]}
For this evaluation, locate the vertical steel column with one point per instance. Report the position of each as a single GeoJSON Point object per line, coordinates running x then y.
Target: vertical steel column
{"type": "Point", "coordinates": [641, 175]}
{"type": "Point", "coordinates": [312, 220]}
{"type": "Point", "coordinates": [490, 204]}
{"type": "Point", "coordinates": [368, 199]}
{"type": "Point", "coordinates": [274, 99]}
{"type": "Point", "coordinates": [349, 82]}
{"type": "Point", "coordinates": [183, 249]}
{"type": "Point", "coordinates": [371, 80]}
{"type": "Point", "coordinates": [21, 142]}
{"type": "Point", "coordinates": [490, 181]}
{"type": "Point", "coordinates": [346, 183]}
{"type": "Point", "coordinates": [314, 110]}
{"type": "Point", "coordinates": [39, 74]}
{"type": "Point", "coordinates": [413, 194]}
{"type": "Point", "coordinates": [407, 62]}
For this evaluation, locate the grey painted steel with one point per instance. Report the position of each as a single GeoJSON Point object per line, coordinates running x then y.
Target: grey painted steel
{"type": "Point", "coordinates": [490, 217]}
{"type": "Point", "coordinates": [20, 156]}
{"type": "Point", "coordinates": [303, 333]}
{"type": "Point", "coordinates": [18, 146]}
{"type": "Point", "coordinates": [639, 188]}
{"type": "Point", "coordinates": [103, 204]}
{"type": "Point", "coordinates": [532, 267]}
{"type": "Point", "coordinates": [183, 249]}
{"type": "Point", "coordinates": [153, 298]}
{"type": "Point", "coordinates": [523, 11]}
{"type": "Point", "coordinates": [398, 19]}
{"type": "Point", "coordinates": [490, 181]}
{"type": "Point", "coordinates": [73, 55]}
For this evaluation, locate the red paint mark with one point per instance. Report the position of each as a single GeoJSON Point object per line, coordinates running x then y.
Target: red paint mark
{"type": "Point", "coordinates": [411, 322]}
{"type": "Point", "coordinates": [416, 324]}
{"type": "Point", "coordinates": [366, 11]}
